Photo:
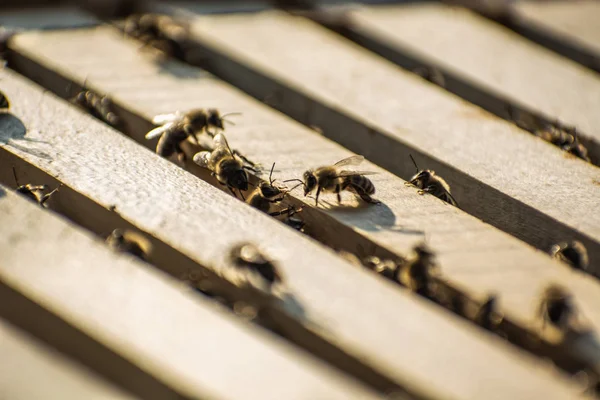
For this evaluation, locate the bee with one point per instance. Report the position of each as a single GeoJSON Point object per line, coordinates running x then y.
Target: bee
{"type": "Point", "coordinates": [418, 271]}
{"type": "Point", "coordinates": [248, 256]}
{"type": "Point", "coordinates": [488, 316]}
{"type": "Point", "coordinates": [573, 253]}
{"type": "Point", "coordinates": [159, 31]}
{"type": "Point", "coordinates": [4, 103]}
{"type": "Point", "coordinates": [34, 192]}
{"type": "Point", "coordinates": [565, 138]}
{"type": "Point", "coordinates": [385, 268]}
{"type": "Point", "coordinates": [431, 74]}
{"type": "Point", "coordinates": [332, 179]}
{"type": "Point", "coordinates": [131, 242]}
{"type": "Point", "coordinates": [428, 182]}
{"type": "Point", "coordinates": [177, 127]}
{"type": "Point", "coordinates": [267, 194]}
{"type": "Point", "coordinates": [98, 106]}
{"type": "Point", "coordinates": [557, 309]}
{"type": "Point", "coordinates": [226, 165]}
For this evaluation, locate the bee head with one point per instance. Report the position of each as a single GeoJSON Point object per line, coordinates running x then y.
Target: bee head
{"type": "Point", "coordinates": [214, 119]}
{"type": "Point", "coordinates": [269, 191]}
{"type": "Point", "coordinates": [310, 182]}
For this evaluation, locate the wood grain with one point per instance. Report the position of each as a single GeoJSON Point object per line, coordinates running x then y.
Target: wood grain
{"type": "Point", "coordinates": [348, 307]}
{"type": "Point", "coordinates": [30, 370]}
{"type": "Point", "coordinates": [387, 114]}
{"type": "Point", "coordinates": [138, 327]}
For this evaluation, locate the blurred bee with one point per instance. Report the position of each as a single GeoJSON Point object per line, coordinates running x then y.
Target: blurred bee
{"type": "Point", "coordinates": [565, 138]}
{"type": "Point", "coordinates": [431, 74]}
{"type": "Point", "coordinates": [332, 179]}
{"type": "Point", "coordinates": [177, 127]}
{"type": "Point", "coordinates": [293, 221]}
{"type": "Point", "coordinates": [488, 316]}
{"type": "Point", "coordinates": [159, 31]}
{"type": "Point", "coordinates": [33, 192]}
{"type": "Point", "coordinates": [418, 271]}
{"type": "Point", "coordinates": [248, 256]}
{"type": "Point", "coordinates": [573, 253]}
{"type": "Point", "coordinates": [385, 268]}
{"type": "Point", "coordinates": [98, 106]}
{"type": "Point", "coordinates": [267, 194]}
{"type": "Point", "coordinates": [557, 309]}
{"type": "Point", "coordinates": [226, 165]}
{"type": "Point", "coordinates": [4, 103]}
{"type": "Point", "coordinates": [130, 242]}
{"type": "Point", "coordinates": [428, 182]}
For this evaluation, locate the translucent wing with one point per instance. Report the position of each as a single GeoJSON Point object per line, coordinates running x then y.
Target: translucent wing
{"type": "Point", "coordinates": [156, 132]}
{"type": "Point", "coordinates": [220, 140]}
{"type": "Point", "coordinates": [352, 173]}
{"type": "Point", "coordinates": [165, 118]}
{"type": "Point", "coordinates": [202, 158]}
{"type": "Point", "coordinates": [352, 160]}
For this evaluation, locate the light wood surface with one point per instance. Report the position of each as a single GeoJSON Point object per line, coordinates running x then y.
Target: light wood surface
{"type": "Point", "coordinates": [473, 150]}
{"type": "Point", "coordinates": [325, 293]}
{"type": "Point", "coordinates": [30, 370]}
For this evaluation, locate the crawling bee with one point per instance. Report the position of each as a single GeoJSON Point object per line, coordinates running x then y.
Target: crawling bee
{"type": "Point", "coordinates": [418, 270]}
{"type": "Point", "coordinates": [332, 179]}
{"type": "Point", "coordinates": [129, 242]}
{"type": "Point", "coordinates": [557, 309]}
{"type": "Point", "coordinates": [226, 165]}
{"type": "Point", "coordinates": [4, 103]}
{"type": "Point", "coordinates": [573, 253]}
{"type": "Point", "coordinates": [177, 127]}
{"type": "Point", "coordinates": [565, 138]}
{"type": "Point", "coordinates": [431, 74]}
{"type": "Point", "coordinates": [267, 194]}
{"type": "Point", "coordinates": [428, 182]}
{"type": "Point", "coordinates": [33, 192]}
{"type": "Point", "coordinates": [98, 106]}
{"type": "Point", "coordinates": [248, 256]}
{"type": "Point", "coordinates": [159, 31]}
{"type": "Point", "coordinates": [488, 316]}
{"type": "Point", "coordinates": [386, 268]}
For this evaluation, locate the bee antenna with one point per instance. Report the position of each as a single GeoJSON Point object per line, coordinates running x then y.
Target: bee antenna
{"type": "Point", "coordinates": [271, 174]}
{"type": "Point", "coordinates": [15, 175]}
{"type": "Point", "coordinates": [414, 162]}
{"type": "Point", "coordinates": [229, 122]}
{"type": "Point", "coordinates": [295, 180]}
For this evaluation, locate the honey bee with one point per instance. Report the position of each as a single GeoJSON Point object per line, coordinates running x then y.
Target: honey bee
{"type": "Point", "coordinates": [159, 31]}
{"type": "Point", "coordinates": [248, 256]}
{"type": "Point", "coordinates": [565, 138]}
{"type": "Point", "coordinates": [573, 253]}
{"type": "Point", "coordinates": [98, 106]}
{"type": "Point", "coordinates": [431, 74]}
{"type": "Point", "coordinates": [4, 103]}
{"type": "Point", "coordinates": [557, 309]}
{"type": "Point", "coordinates": [34, 192]}
{"type": "Point", "coordinates": [226, 165]}
{"type": "Point", "coordinates": [130, 242]}
{"type": "Point", "coordinates": [488, 316]}
{"type": "Point", "coordinates": [332, 179]}
{"type": "Point", "coordinates": [418, 271]}
{"type": "Point", "coordinates": [267, 194]}
{"type": "Point", "coordinates": [428, 182]}
{"type": "Point", "coordinates": [177, 127]}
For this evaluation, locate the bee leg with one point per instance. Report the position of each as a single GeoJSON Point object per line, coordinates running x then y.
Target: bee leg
{"type": "Point", "coordinates": [339, 198]}
{"type": "Point", "coordinates": [244, 158]}
{"type": "Point", "coordinates": [281, 212]}
{"type": "Point", "coordinates": [369, 199]}
{"type": "Point", "coordinates": [317, 196]}
{"type": "Point", "coordinates": [421, 192]}
{"type": "Point", "coordinates": [232, 192]}
{"type": "Point", "coordinates": [242, 195]}
{"type": "Point", "coordinates": [180, 154]}
{"type": "Point", "coordinates": [46, 197]}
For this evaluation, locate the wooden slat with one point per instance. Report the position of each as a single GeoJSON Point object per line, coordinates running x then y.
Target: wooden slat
{"type": "Point", "coordinates": [134, 325]}
{"type": "Point", "coordinates": [31, 370]}
{"type": "Point", "coordinates": [349, 307]}
{"type": "Point", "coordinates": [45, 18]}
{"type": "Point", "coordinates": [268, 137]}
{"type": "Point", "coordinates": [387, 113]}
{"type": "Point", "coordinates": [493, 65]}
{"type": "Point", "coordinates": [568, 27]}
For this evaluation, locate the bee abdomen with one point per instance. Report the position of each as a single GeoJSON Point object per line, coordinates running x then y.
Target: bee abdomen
{"type": "Point", "coordinates": [362, 184]}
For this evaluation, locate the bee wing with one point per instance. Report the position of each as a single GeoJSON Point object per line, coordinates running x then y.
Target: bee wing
{"type": "Point", "coordinates": [352, 160]}
{"type": "Point", "coordinates": [156, 132]}
{"type": "Point", "coordinates": [220, 140]}
{"type": "Point", "coordinates": [202, 158]}
{"type": "Point", "coordinates": [165, 118]}
{"type": "Point", "coordinates": [352, 173]}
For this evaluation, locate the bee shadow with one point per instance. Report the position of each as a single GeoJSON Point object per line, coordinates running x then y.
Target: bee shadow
{"type": "Point", "coordinates": [179, 69]}
{"type": "Point", "coordinates": [12, 129]}
{"type": "Point", "coordinates": [368, 217]}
